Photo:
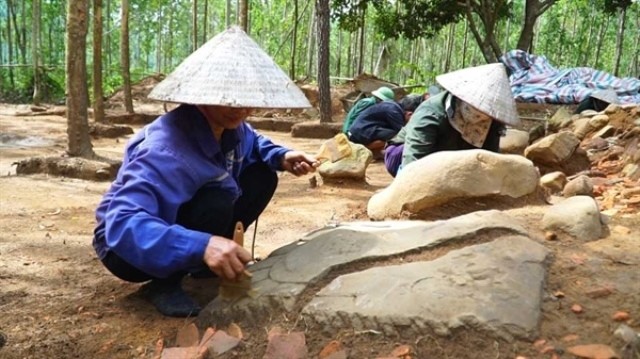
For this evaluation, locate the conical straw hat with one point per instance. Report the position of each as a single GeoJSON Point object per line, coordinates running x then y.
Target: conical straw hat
{"type": "Point", "coordinates": [230, 70]}
{"type": "Point", "coordinates": [486, 88]}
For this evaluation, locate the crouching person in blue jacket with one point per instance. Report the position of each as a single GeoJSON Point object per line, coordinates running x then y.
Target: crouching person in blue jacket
{"type": "Point", "coordinates": [190, 175]}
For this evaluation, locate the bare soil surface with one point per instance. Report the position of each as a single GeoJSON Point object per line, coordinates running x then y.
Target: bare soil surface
{"type": "Point", "coordinates": [57, 301]}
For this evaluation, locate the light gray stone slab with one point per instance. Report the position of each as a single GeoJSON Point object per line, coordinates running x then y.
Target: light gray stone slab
{"type": "Point", "coordinates": [281, 278]}
{"type": "Point", "coordinates": [495, 287]}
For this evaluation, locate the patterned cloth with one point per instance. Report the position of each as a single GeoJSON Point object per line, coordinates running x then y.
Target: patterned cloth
{"type": "Point", "coordinates": [534, 79]}
{"type": "Point", "coordinates": [472, 124]}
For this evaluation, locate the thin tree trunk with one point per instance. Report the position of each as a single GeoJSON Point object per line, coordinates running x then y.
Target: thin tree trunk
{"type": "Point", "coordinates": [206, 21]}
{"type": "Point", "coordinates": [227, 15]}
{"type": "Point", "coordinates": [12, 81]}
{"type": "Point", "coordinates": [244, 15]}
{"type": "Point", "coordinates": [372, 55]}
{"type": "Point", "coordinates": [635, 65]}
{"type": "Point", "coordinates": [452, 33]}
{"type": "Point", "coordinates": [322, 10]}
{"type": "Point", "coordinates": [464, 43]}
{"type": "Point", "coordinates": [339, 57]}
{"type": "Point", "coordinates": [584, 53]}
{"type": "Point", "coordinates": [349, 52]}
{"type": "Point", "coordinates": [124, 57]}
{"type": "Point", "coordinates": [294, 39]}
{"type": "Point", "coordinates": [620, 39]}
{"type": "Point", "coordinates": [20, 45]}
{"type": "Point", "coordinates": [108, 31]}
{"type": "Point", "coordinates": [194, 26]}
{"type": "Point", "coordinates": [603, 30]}
{"type": "Point", "coordinates": [311, 43]}
{"type": "Point", "coordinates": [159, 42]}
{"type": "Point", "coordinates": [35, 51]}
{"type": "Point", "coordinates": [98, 102]}
{"type": "Point", "coordinates": [76, 82]}
{"type": "Point", "coordinates": [361, 43]}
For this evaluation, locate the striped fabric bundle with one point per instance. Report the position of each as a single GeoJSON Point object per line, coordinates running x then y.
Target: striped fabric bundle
{"type": "Point", "coordinates": [534, 79]}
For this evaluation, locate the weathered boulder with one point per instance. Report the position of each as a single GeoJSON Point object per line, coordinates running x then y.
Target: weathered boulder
{"type": "Point", "coordinates": [578, 216]}
{"type": "Point", "coordinates": [579, 186]}
{"type": "Point", "coordinates": [352, 167]}
{"type": "Point", "coordinates": [558, 152]}
{"type": "Point", "coordinates": [447, 175]}
{"type": "Point", "coordinates": [553, 182]}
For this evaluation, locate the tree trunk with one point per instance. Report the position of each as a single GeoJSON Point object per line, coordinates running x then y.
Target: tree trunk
{"type": "Point", "coordinates": [311, 42]}
{"type": "Point", "coordinates": [108, 32]}
{"type": "Point", "coordinates": [244, 15]}
{"type": "Point", "coordinates": [124, 57]}
{"type": "Point", "coordinates": [361, 44]}
{"type": "Point", "coordinates": [635, 65]}
{"type": "Point", "coordinates": [98, 101]}
{"type": "Point", "coordinates": [76, 82]}
{"type": "Point", "coordinates": [227, 15]}
{"type": "Point", "coordinates": [349, 52]}
{"type": "Point", "coordinates": [294, 39]}
{"type": "Point", "coordinates": [12, 81]}
{"type": "Point", "coordinates": [35, 52]}
{"type": "Point", "coordinates": [322, 10]}
{"type": "Point", "coordinates": [452, 33]}
{"type": "Point", "coordinates": [339, 57]}
{"type": "Point", "coordinates": [194, 25]}
{"type": "Point", "coordinates": [620, 40]}
{"type": "Point", "coordinates": [159, 51]}
{"type": "Point", "coordinates": [603, 30]}
{"type": "Point", "coordinates": [20, 45]}
{"type": "Point", "coordinates": [205, 22]}
{"type": "Point", "coordinates": [464, 43]}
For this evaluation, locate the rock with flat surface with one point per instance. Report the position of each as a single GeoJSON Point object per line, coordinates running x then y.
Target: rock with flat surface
{"type": "Point", "coordinates": [444, 176]}
{"type": "Point", "coordinates": [578, 216]}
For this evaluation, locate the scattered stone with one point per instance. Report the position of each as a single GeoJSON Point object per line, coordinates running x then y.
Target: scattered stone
{"type": "Point", "coordinates": [188, 336]}
{"type": "Point", "coordinates": [514, 142]}
{"type": "Point", "coordinates": [558, 294]}
{"type": "Point", "coordinates": [620, 316]}
{"type": "Point", "coordinates": [593, 351]}
{"type": "Point", "coordinates": [598, 121]}
{"type": "Point", "coordinates": [577, 308]}
{"type": "Point", "coordinates": [352, 167]}
{"type": "Point", "coordinates": [332, 350]}
{"type": "Point", "coordinates": [554, 182]}
{"type": "Point", "coordinates": [579, 186]}
{"type": "Point", "coordinates": [600, 292]}
{"type": "Point", "coordinates": [221, 342]}
{"type": "Point", "coordinates": [401, 351]}
{"type": "Point", "coordinates": [443, 176]}
{"type": "Point", "coordinates": [559, 120]}
{"type": "Point", "coordinates": [558, 152]}
{"type": "Point", "coordinates": [578, 216]}
{"type": "Point", "coordinates": [597, 144]}
{"type": "Point", "coordinates": [606, 131]}
{"type": "Point", "coordinates": [286, 345]}
{"type": "Point", "coordinates": [539, 344]}
{"type": "Point", "coordinates": [180, 353]}
{"type": "Point", "coordinates": [589, 113]}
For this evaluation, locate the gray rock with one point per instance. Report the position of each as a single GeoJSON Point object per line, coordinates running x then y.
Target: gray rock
{"type": "Point", "coordinates": [579, 186]}
{"type": "Point", "coordinates": [281, 279]}
{"type": "Point", "coordinates": [578, 216]}
{"type": "Point", "coordinates": [553, 149]}
{"type": "Point", "coordinates": [494, 287]}
{"type": "Point", "coordinates": [447, 175]}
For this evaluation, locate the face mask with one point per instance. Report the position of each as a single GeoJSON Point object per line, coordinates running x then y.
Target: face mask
{"type": "Point", "coordinates": [472, 124]}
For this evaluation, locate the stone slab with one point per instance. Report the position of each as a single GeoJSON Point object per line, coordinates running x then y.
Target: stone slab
{"type": "Point", "coordinates": [281, 278]}
{"type": "Point", "coordinates": [495, 287]}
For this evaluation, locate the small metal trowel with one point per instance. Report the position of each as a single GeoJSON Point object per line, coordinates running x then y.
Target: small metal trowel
{"type": "Point", "coordinates": [233, 290]}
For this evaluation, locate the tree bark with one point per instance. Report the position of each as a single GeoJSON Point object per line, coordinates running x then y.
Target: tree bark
{"type": "Point", "coordinates": [294, 39]}
{"type": "Point", "coordinates": [227, 15]}
{"type": "Point", "coordinates": [35, 52]}
{"type": "Point", "coordinates": [206, 21]}
{"type": "Point", "coordinates": [20, 45]}
{"type": "Point", "coordinates": [98, 101]}
{"type": "Point", "coordinates": [322, 10]}
{"type": "Point", "coordinates": [339, 57]}
{"type": "Point", "coordinates": [452, 33]}
{"type": "Point", "coordinates": [76, 81]}
{"type": "Point", "coordinates": [311, 43]}
{"type": "Point", "coordinates": [620, 39]}
{"type": "Point", "coordinates": [603, 30]}
{"type": "Point", "coordinates": [361, 43]}
{"type": "Point", "coordinates": [194, 24]}
{"type": "Point", "coordinates": [244, 15]}
{"type": "Point", "coordinates": [464, 43]}
{"type": "Point", "coordinates": [533, 10]}
{"type": "Point", "coordinates": [12, 81]}
{"type": "Point", "coordinates": [124, 57]}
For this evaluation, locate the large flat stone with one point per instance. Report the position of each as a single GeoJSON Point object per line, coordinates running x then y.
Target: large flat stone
{"type": "Point", "coordinates": [280, 279]}
{"type": "Point", "coordinates": [495, 287]}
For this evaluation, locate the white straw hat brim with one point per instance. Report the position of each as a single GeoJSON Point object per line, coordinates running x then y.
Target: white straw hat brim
{"type": "Point", "coordinates": [230, 70]}
{"type": "Point", "coordinates": [486, 88]}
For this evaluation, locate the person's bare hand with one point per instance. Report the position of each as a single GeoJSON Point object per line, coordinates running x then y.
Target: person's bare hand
{"type": "Point", "coordinates": [225, 258]}
{"type": "Point", "coordinates": [299, 163]}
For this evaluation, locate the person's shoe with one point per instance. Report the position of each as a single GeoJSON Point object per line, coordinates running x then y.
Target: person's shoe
{"type": "Point", "coordinates": [169, 299]}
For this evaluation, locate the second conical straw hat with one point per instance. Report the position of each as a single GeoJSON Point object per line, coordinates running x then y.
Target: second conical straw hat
{"type": "Point", "coordinates": [230, 70]}
{"type": "Point", "coordinates": [486, 88]}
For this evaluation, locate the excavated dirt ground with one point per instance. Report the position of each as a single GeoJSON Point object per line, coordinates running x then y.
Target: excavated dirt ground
{"type": "Point", "coordinates": [57, 301]}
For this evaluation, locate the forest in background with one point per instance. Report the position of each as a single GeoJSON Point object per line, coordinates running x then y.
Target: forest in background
{"type": "Point", "coordinates": [407, 42]}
